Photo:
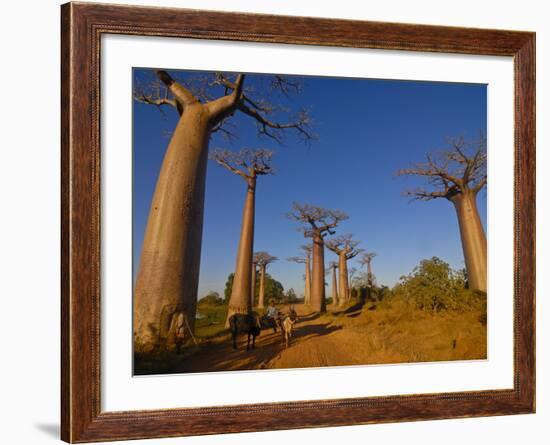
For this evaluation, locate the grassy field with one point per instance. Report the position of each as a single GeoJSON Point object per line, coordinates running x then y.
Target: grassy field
{"type": "Point", "coordinates": [210, 321]}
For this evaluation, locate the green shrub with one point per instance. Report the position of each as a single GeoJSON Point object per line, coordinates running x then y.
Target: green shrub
{"type": "Point", "coordinates": [212, 299]}
{"type": "Point", "coordinates": [434, 286]}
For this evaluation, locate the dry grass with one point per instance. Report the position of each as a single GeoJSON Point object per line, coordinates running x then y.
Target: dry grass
{"type": "Point", "coordinates": [395, 333]}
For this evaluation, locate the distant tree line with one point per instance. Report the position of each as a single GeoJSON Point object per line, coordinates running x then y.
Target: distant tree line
{"type": "Point", "coordinates": [273, 288]}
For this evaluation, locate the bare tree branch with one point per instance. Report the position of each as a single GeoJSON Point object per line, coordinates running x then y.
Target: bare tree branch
{"type": "Point", "coordinates": [155, 101]}
{"type": "Point", "coordinates": [182, 94]}
{"type": "Point", "coordinates": [224, 106]}
{"type": "Point", "coordinates": [452, 171]}
{"type": "Point", "coordinates": [344, 244]}
{"type": "Point", "coordinates": [316, 220]}
{"type": "Point", "coordinates": [482, 183]}
{"type": "Point", "coordinates": [366, 258]}
{"type": "Point", "coordinates": [158, 95]}
{"type": "Point", "coordinates": [227, 129]}
{"type": "Point", "coordinates": [223, 94]}
{"type": "Point", "coordinates": [263, 258]}
{"type": "Point", "coordinates": [246, 163]}
{"type": "Point", "coordinates": [265, 126]}
{"type": "Point", "coordinates": [297, 259]}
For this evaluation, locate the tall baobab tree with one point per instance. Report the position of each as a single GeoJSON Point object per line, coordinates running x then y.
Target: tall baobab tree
{"type": "Point", "coordinates": [345, 247]}
{"type": "Point", "coordinates": [263, 259]}
{"type": "Point", "coordinates": [307, 248]}
{"type": "Point", "coordinates": [366, 260]}
{"type": "Point", "coordinates": [167, 279]}
{"type": "Point", "coordinates": [248, 164]}
{"type": "Point", "coordinates": [306, 260]}
{"type": "Point", "coordinates": [334, 265]}
{"type": "Point", "coordinates": [458, 174]}
{"type": "Point", "coordinates": [254, 271]}
{"type": "Point", "coordinates": [317, 222]}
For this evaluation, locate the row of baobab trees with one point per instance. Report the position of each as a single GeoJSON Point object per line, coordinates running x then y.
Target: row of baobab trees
{"type": "Point", "coordinates": [167, 280]}
{"type": "Point", "coordinates": [345, 248]}
{"type": "Point", "coordinates": [315, 223]}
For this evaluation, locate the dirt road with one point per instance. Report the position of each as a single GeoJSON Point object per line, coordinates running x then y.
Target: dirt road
{"type": "Point", "coordinates": [313, 344]}
{"type": "Point", "coordinates": [354, 336]}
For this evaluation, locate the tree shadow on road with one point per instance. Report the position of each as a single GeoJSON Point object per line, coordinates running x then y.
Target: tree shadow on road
{"type": "Point", "coordinates": [308, 317]}
{"type": "Point", "coordinates": [221, 356]}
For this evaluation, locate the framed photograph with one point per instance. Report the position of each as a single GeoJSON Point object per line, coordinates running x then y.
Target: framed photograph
{"type": "Point", "coordinates": [275, 222]}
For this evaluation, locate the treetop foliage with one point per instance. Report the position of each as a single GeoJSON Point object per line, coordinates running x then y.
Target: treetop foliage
{"type": "Point", "coordinates": [273, 288]}
{"type": "Point", "coordinates": [211, 299]}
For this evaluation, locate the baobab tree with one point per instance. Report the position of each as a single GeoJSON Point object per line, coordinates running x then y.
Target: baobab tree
{"type": "Point", "coordinates": [345, 247]}
{"type": "Point", "coordinates": [334, 265]}
{"type": "Point", "coordinates": [306, 260]}
{"type": "Point", "coordinates": [254, 271]}
{"type": "Point", "coordinates": [307, 248]}
{"type": "Point", "coordinates": [366, 260]}
{"type": "Point", "coordinates": [248, 164]}
{"type": "Point", "coordinates": [317, 222]}
{"type": "Point", "coordinates": [458, 174]}
{"type": "Point", "coordinates": [263, 259]}
{"type": "Point", "coordinates": [167, 279]}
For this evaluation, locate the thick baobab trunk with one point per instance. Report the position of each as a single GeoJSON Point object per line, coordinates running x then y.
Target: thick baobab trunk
{"type": "Point", "coordinates": [239, 302]}
{"type": "Point", "coordinates": [344, 277]}
{"type": "Point", "coordinates": [253, 285]}
{"type": "Point", "coordinates": [261, 302]}
{"type": "Point", "coordinates": [307, 290]}
{"type": "Point", "coordinates": [167, 280]}
{"type": "Point", "coordinates": [474, 242]}
{"type": "Point", "coordinates": [318, 303]}
{"type": "Point", "coordinates": [334, 287]}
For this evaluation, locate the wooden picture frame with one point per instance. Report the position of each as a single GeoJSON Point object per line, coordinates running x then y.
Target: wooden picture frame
{"type": "Point", "coordinates": [82, 26]}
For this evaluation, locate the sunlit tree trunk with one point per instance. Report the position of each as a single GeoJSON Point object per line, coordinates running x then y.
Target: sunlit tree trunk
{"type": "Point", "coordinates": [253, 286]}
{"type": "Point", "coordinates": [318, 301]}
{"type": "Point", "coordinates": [261, 293]}
{"type": "Point", "coordinates": [474, 242]}
{"type": "Point", "coordinates": [344, 277]}
{"type": "Point", "coordinates": [334, 287]}
{"type": "Point", "coordinates": [239, 302]}
{"type": "Point", "coordinates": [307, 290]}
{"type": "Point", "coordinates": [167, 280]}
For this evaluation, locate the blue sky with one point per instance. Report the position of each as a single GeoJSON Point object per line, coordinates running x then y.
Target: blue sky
{"type": "Point", "coordinates": [367, 129]}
